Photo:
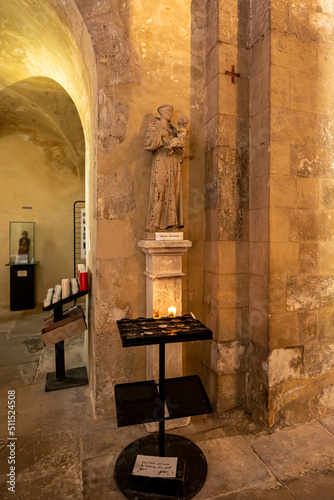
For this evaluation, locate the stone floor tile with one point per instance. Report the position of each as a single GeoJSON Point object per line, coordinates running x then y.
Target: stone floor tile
{"type": "Point", "coordinates": [38, 410]}
{"type": "Point", "coordinates": [98, 478]}
{"type": "Point", "coordinates": [232, 464]}
{"type": "Point", "coordinates": [103, 436]}
{"type": "Point", "coordinates": [23, 374]}
{"type": "Point", "coordinates": [273, 491]}
{"type": "Point", "coordinates": [204, 423]}
{"type": "Point", "coordinates": [75, 341]}
{"type": "Point", "coordinates": [3, 338]}
{"type": "Point", "coordinates": [19, 350]}
{"type": "Point", "coordinates": [33, 312]}
{"type": "Point", "coordinates": [51, 487]}
{"type": "Point", "coordinates": [316, 486]}
{"type": "Point", "coordinates": [47, 463]}
{"type": "Point", "coordinates": [8, 319]}
{"type": "Point", "coordinates": [293, 452]}
{"type": "Point", "coordinates": [28, 325]}
{"type": "Point", "coordinates": [328, 423]}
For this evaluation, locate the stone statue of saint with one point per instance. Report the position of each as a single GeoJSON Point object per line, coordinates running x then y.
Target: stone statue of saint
{"type": "Point", "coordinates": [167, 143]}
{"type": "Point", "coordinates": [24, 244]}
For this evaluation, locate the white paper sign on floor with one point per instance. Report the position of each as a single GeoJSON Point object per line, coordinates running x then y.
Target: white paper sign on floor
{"type": "Point", "coordinates": [155, 466]}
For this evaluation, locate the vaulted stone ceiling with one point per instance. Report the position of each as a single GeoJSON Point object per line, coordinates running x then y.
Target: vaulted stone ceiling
{"type": "Point", "coordinates": [40, 111]}
{"type": "Point", "coordinates": [34, 43]}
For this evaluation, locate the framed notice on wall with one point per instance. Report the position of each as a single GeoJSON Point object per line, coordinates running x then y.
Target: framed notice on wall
{"type": "Point", "coordinates": [83, 233]}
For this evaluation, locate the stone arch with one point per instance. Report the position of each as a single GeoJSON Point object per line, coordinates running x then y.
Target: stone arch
{"type": "Point", "coordinates": [49, 39]}
{"type": "Point", "coordinates": [45, 42]}
{"type": "Point", "coordinates": [43, 166]}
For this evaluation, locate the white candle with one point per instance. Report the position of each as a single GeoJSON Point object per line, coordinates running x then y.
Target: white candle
{"type": "Point", "coordinates": [65, 288]}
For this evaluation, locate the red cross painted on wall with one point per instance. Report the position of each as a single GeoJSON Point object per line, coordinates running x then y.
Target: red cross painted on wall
{"type": "Point", "coordinates": [232, 73]}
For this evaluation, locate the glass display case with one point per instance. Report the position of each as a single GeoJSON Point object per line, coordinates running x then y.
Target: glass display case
{"type": "Point", "coordinates": [22, 242]}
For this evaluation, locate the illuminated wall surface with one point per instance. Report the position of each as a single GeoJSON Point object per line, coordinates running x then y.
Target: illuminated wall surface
{"type": "Point", "coordinates": [44, 110]}
{"type": "Point", "coordinates": [258, 178]}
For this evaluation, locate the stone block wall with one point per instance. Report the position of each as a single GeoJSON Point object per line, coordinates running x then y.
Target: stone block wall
{"type": "Point", "coordinates": [267, 279]}
{"type": "Point", "coordinates": [301, 211]}
{"type": "Point", "coordinates": [269, 261]}
{"type": "Point", "coordinates": [226, 247]}
{"type": "Point", "coordinates": [259, 204]}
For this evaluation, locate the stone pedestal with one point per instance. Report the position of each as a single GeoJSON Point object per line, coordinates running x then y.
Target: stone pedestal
{"type": "Point", "coordinates": [164, 289]}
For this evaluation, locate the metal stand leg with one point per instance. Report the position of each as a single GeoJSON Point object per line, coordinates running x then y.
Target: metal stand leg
{"type": "Point", "coordinates": [162, 399]}
{"type": "Point", "coordinates": [60, 361]}
{"type": "Point", "coordinates": [61, 379]}
{"type": "Point", "coordinates": [59, 347]}
{"type": "Point", "coordinates": [58, 313]}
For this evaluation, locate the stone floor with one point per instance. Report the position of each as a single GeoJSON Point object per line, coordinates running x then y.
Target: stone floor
{"type": "Point", "coordinates": [61, 452]}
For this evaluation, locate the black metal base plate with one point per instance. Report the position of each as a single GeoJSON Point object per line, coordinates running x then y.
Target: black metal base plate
{"type": "Point", "coordinates": [73, 378]}
{"type": "Point", "coordinates": [176, 446]}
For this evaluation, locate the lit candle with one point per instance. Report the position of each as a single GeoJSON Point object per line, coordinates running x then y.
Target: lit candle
{"type": "Point", "coordinates": [156, 314]}
{"type": "Point", "coordinates": [171, 312]}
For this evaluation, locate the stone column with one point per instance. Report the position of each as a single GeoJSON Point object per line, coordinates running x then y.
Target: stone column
{"type": "Point", "coordinates": [164, 289]}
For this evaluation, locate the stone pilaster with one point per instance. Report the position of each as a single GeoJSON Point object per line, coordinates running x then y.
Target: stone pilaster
{"type": "Point", "coordinates": [257, 379]}
{"type": "Point", "coordinates": [226, 279]}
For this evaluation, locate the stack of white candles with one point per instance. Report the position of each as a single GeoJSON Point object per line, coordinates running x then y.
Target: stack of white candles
{"type": "Point", "coordinates": [67, 288]}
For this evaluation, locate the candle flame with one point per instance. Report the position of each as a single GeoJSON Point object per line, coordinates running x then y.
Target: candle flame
{"type": "Point", "coordinates": [172, 312]}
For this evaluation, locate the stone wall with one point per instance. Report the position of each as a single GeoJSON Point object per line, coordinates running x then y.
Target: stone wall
{"type": "Point", "coordinates": [301, 211]}
{"type": "Point", "coordinates": [144, 59]}
{"type": "Point", "coordinates": [226, 271]}
{"type": "Point", "coordinates": [272, 321]}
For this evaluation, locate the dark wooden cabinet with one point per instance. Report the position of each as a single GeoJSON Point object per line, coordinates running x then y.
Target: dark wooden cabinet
{"type": "Point", "coordinates": [22, 286]}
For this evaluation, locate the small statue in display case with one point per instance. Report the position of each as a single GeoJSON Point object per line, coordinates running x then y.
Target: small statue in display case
{"type": "Point", "coordinates": [21, 242]}
{"type": "Point", "coordinates": [24, 244]}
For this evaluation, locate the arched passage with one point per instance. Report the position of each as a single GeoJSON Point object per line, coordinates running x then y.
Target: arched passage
{"type": "Point", "coordinates": [47, 90]}
{"type": "Point", "coordinates": [45, 47]}
{"type": "Point", "coordinates": [43, 168]}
